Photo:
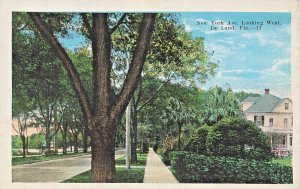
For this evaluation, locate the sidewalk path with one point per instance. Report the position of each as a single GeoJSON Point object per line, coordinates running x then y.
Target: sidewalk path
{"type": "Point", "coordinates": [156, 171]}
{"type": "Point", "coordinates": [54, 170]}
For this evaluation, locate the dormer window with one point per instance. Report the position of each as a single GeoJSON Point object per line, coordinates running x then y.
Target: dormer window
{"type": "Point", "coordinates": [286, 106]}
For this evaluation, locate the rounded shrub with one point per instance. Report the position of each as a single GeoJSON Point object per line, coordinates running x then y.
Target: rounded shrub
{"type": "Point", "coordinates": [237, 137]}
{"type": "Point", "coordinates": [197, 142]}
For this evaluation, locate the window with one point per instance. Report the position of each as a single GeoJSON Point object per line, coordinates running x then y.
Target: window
{"type": "Point", "coordinates": [285, 122]}
{"type": "Point", "coordinates": [271, 121]}
{"type": "Point", "coordinates": [291, 140]}
{"type": "Point", "coordinates": [259, 120]}
{"type": "Point", "coordinates": [284, 140]}
{"type": "Point", "coordinates": [286, 106]}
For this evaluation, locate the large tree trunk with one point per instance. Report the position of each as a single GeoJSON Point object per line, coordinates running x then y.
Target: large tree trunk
{"type": "Point", "coordinates": [85, 139]}
{"type": "Point", "coordinates": [48, 141]}
{"type": "Point", "coordinates": [64, 141]}
{"type": "Point", "coordinates": [103, 153]}
{"type": "Point", "coordinates": [76, 143]}
{"type": "Point", "coordinates": [23, 145]}
{"type": "Point", "coordinates": [134, 133]}
{"type": "Point", "coordinates": [27, 141]}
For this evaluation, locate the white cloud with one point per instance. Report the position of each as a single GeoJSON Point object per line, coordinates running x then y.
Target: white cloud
{"type": "Point", "coordinates": [266, 38]}
{"type": "Point", "coordinates": [278, 66]}
{"type": "Point", "coordinates": [224, 48]}
{"type": "Point", "coordinates": [220, 51]}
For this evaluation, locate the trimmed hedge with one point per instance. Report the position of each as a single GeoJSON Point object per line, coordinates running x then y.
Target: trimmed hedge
{"type": "Point", "coordinates": [194, 168]}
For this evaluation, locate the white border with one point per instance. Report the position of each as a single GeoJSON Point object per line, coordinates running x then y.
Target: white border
{"type": "Point", "coordinates": [6, 8]}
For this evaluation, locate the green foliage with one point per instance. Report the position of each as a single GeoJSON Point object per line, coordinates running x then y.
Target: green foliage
{"type": "Point", "coordinates": [219, 104]}
{"type": "Point", "coordinates": [243, 95]}
{"type": "Point", "coordinates": [194, 168]}
{"type": "Point", "coordinates": [17, 152]}
{"type": "Point", "coordinates": [16, 142]}
{"type": "Point", "coordinates": [36, 141]}
{"type": "Point", "coordinates": [169, 144]}
{"type": "Point", "coordinates": [133, 175]}
{"type": "Point", "coordinates": [197, 141]}
{"type": "Point", "coordinates": [237, 137]}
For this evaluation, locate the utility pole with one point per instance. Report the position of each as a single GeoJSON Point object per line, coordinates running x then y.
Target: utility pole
{"type": "Point", "coordinates": [128, 142]}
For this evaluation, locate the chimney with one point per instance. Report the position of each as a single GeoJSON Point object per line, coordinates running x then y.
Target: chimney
{"type": "Point", "coordinates": [267, 91]}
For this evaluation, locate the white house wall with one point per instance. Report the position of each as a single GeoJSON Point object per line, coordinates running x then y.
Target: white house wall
{"type": "Point", "coordinates": [281, 107]}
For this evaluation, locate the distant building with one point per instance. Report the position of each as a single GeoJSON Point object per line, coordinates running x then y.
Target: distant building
{"type": "Point", "coordinates": [30, 130]}
{"type": "Point", "coordinates": [274, 116]}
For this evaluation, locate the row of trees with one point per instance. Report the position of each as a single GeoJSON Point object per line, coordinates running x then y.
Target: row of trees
{"type": "Point", "coordinates": [147, 59]}
{"type": "Point", "coordinates": [133, 57]}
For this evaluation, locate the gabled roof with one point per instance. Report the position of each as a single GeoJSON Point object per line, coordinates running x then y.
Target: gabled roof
{"type": "Point", "coordinates": [265, 103]}
{"type": "Point", "coordinates": [279, 104]}
{"type": "Point", "coordinates": [250, 99]}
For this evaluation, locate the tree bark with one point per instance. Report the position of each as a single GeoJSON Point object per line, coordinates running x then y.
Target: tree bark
{"type": "Point", "coordinates": [76, 143]}
{"type": "Point", "coordinates": [85, 139]}
{"type": "Point", "coordinates": [48, 141]}
{"type": "Point", "coordinates": [27, 140]}
{"type": "Point", "coordinates": [134, 132]}
{"type": "Point", "coordinates": [103, 152]}
{"type": "Point", "coordinates": [128, 135]}
{"type": "Point", "coordinates": [64, 135]}
{"type": "Point", "coordinates": [23, 145]}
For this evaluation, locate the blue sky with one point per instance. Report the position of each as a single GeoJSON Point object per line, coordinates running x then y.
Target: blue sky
{"type": "Point", "coordinates": [249, 60]}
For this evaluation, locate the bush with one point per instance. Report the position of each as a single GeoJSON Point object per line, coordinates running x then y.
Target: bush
{"type": "Point", "coordinates": [237, 137]}
{"type": "Point", "coordinates": [169, 144]}
{"type": "Point", "coordinates": [194, 168]}
{"type": "Point", "coordinates": [197, 142]}
{"type": "Point", "coordinates": [36, 141]}
{"type": "Point", "coordinates": [155, 147]}
{"type": "Point", "coordinates": [145, 147]}
{"type": "Point", "coordinates": [16, 142]}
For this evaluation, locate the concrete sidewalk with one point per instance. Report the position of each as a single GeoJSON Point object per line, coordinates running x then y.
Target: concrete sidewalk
{"type": "Point", "coordinates": [156, 171]}
{"type": "Point", "coordinates": [54, 170]}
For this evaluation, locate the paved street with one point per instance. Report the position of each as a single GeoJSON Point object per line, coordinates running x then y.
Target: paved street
{"type": "Point", "coordinates": [54, 170]}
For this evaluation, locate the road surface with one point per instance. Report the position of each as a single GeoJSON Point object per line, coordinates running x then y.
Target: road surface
{"type": "Point", "coordinates": [54, 170]}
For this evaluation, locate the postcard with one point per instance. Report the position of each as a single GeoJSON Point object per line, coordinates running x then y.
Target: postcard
{"type": "Point", "coordinates": [164, 94]}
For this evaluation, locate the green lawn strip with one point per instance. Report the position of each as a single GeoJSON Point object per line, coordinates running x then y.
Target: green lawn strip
{"type": "Point", "coordinates": [34, 159]}
{"type": "Point", "coordinates": [123, 175]}
{"type": "Point", "coordinates": [18, 152]}
{"type": "Point", "coordinates": [283, 161]}
{"type": "Point", "coordinates": [141, 157]}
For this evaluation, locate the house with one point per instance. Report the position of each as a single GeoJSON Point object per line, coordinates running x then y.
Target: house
{"type": "Point", "coordinates": [30, 129]}
{"type": "Point", "coordinates": [274, 116]}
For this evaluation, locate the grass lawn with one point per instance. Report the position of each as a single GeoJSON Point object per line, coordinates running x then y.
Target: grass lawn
{"type": "Point", "coordinates": [142, 158]}
{"type": "Point", "coordinates": [283, 161]}
{"type": "Point", "coordinates": [34, 159]}
{"type": "Point", "coordinates": [123, 175]}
